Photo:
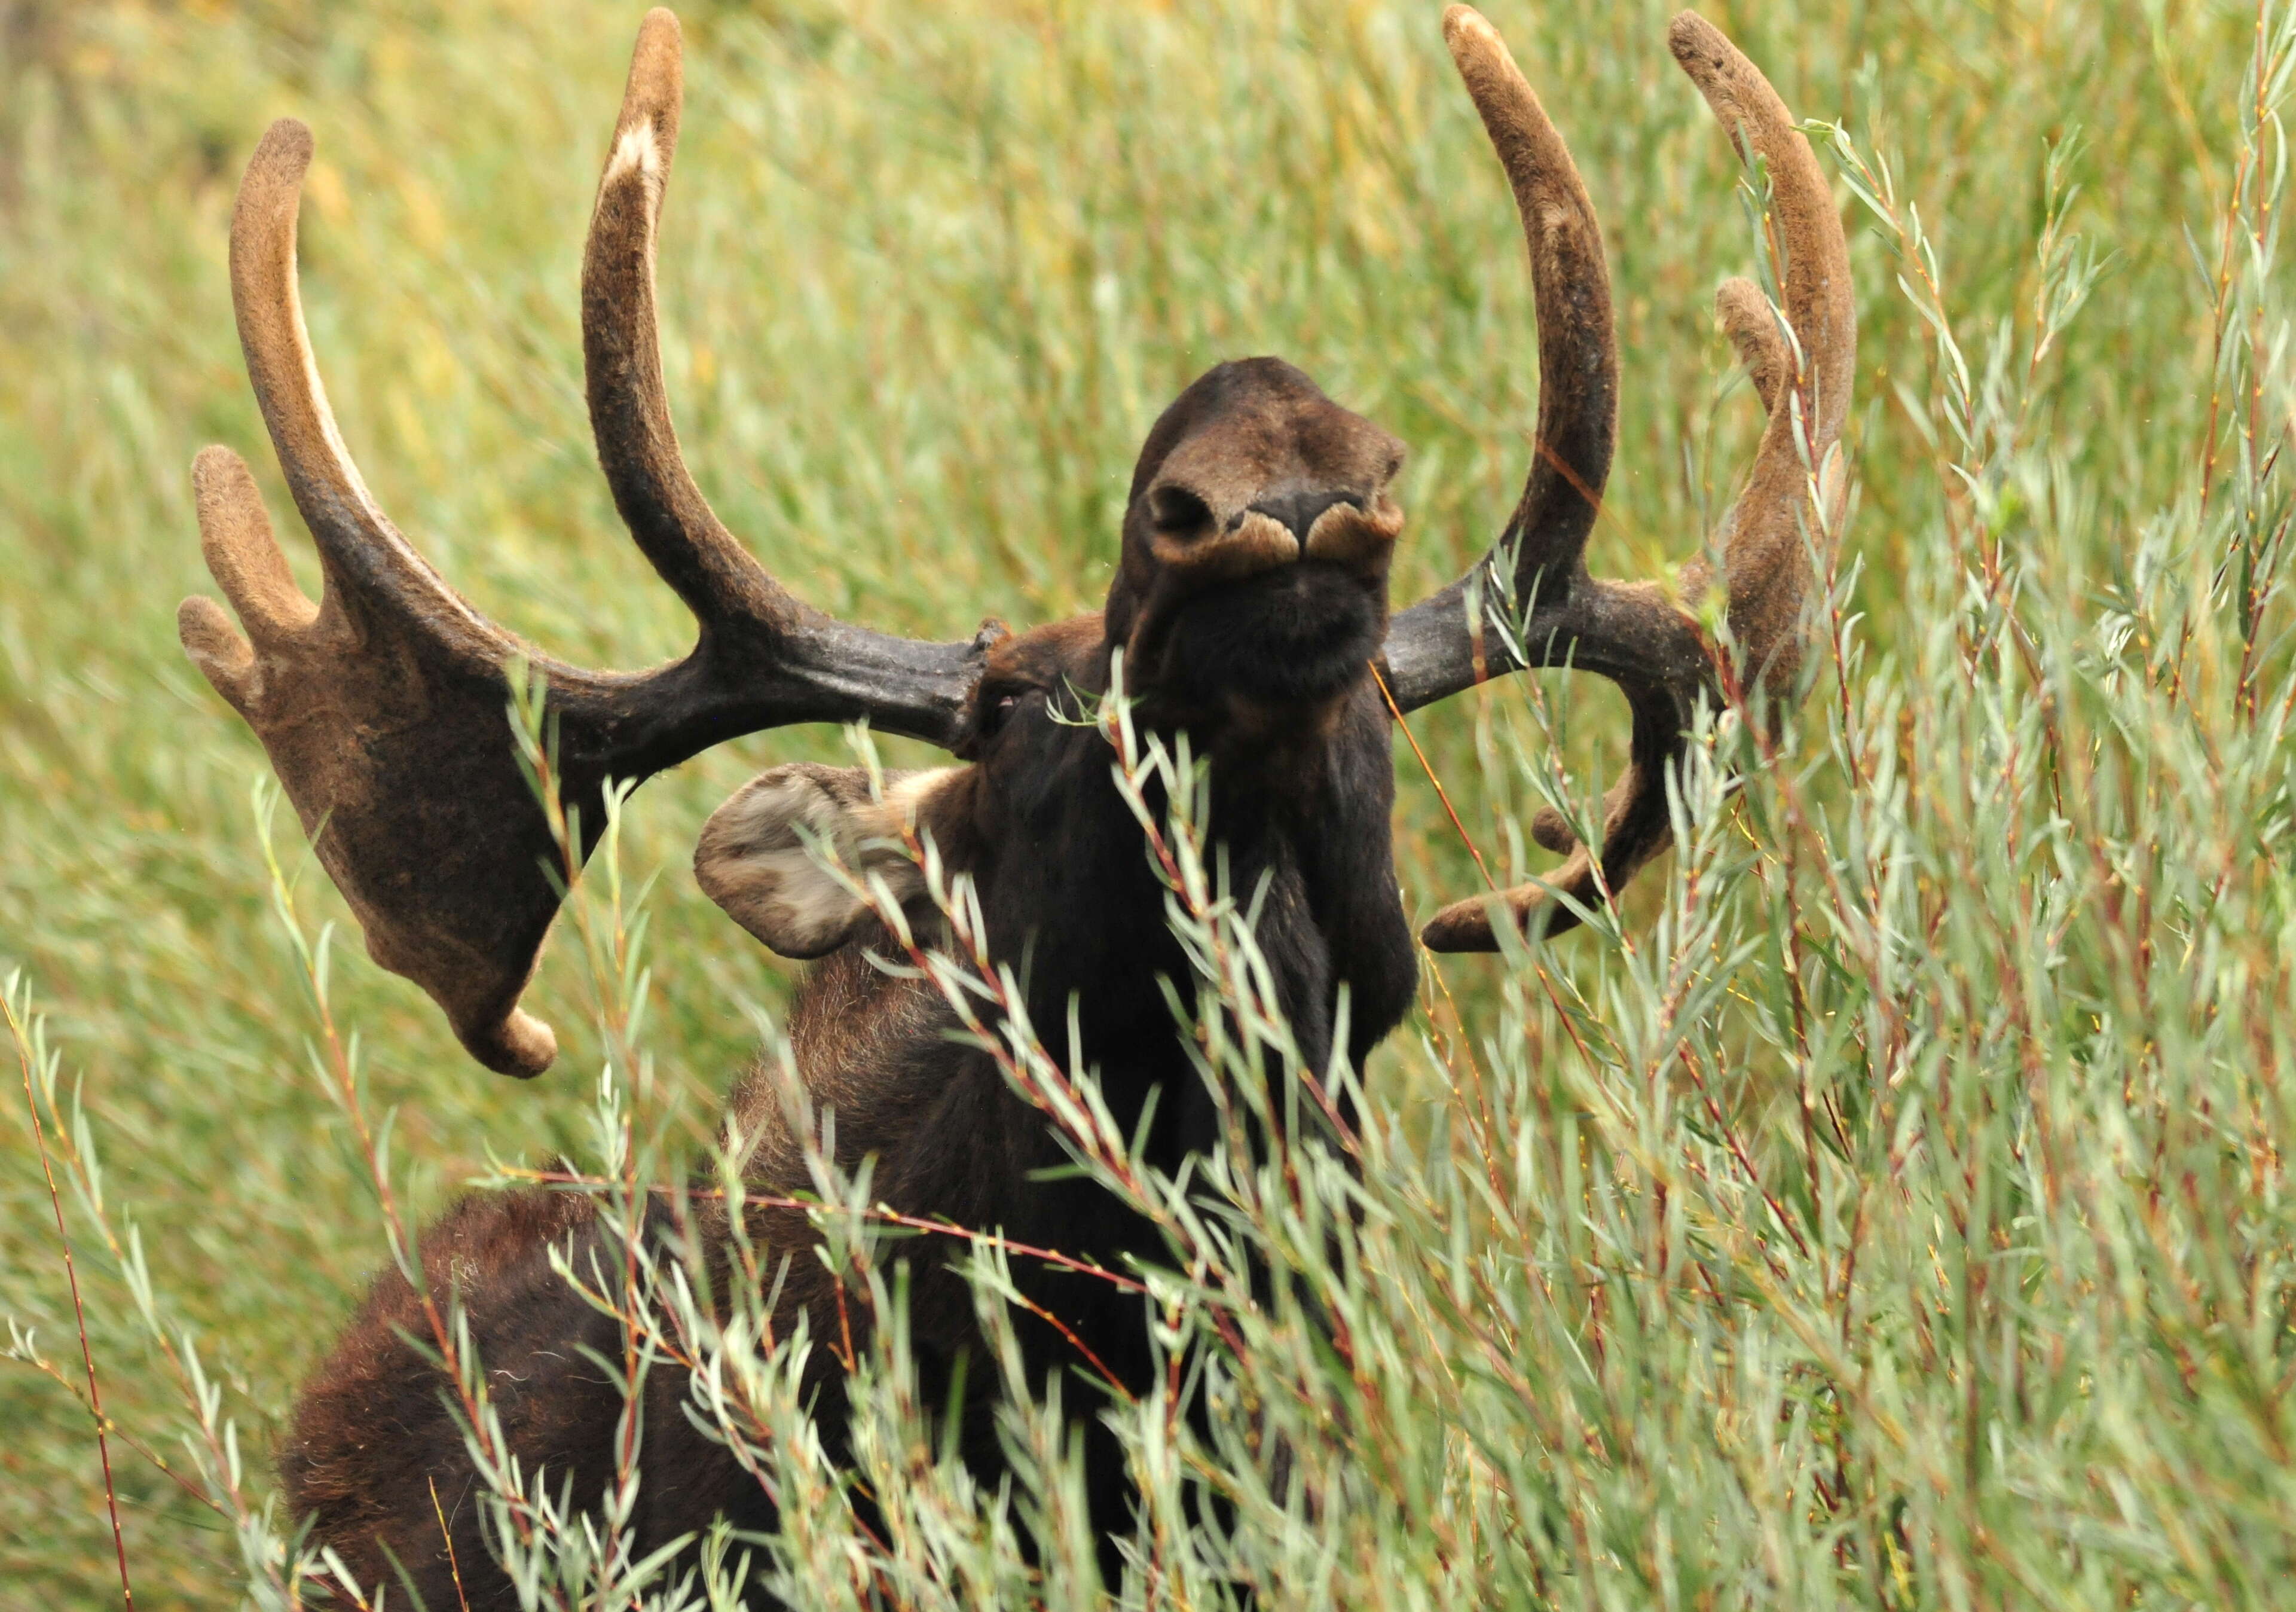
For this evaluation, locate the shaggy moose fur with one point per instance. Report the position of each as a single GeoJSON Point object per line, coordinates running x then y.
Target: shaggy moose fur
{"type": "Point", "coordinates": [1269, 673]}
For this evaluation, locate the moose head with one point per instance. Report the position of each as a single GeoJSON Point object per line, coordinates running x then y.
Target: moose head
{"type": "Point", "coordinates": [1248, 603]}
{"type": "Point", "coordinates": [1251, 595]}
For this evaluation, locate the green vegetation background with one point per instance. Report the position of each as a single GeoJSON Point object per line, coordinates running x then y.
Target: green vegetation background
{"type": "Point", "coordinates": [929, 271]}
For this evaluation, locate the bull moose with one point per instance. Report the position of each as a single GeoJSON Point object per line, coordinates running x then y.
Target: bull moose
{"type": "Point", "coordinates": [1248, 608]}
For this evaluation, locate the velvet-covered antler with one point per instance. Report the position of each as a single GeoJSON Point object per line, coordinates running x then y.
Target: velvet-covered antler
{"type": "Point", "coordinates": [384, 707]}
{"type": "Point", "coordinates": [1633, 633]}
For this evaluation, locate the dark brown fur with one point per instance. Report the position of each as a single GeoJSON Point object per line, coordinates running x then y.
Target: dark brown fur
{"type": "Point", "coordinates": [1270, 672]}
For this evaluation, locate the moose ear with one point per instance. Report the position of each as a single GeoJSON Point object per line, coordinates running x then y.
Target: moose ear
{"type": "Point", "coordinates": [770, 856]}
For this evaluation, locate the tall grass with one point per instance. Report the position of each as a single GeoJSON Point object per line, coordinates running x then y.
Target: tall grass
{"type": "Point", "coordinates": [1889, 1210]}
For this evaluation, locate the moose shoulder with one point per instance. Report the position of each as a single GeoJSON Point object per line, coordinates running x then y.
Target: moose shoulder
{"type": "Point", "coordinates": [1249, 609]}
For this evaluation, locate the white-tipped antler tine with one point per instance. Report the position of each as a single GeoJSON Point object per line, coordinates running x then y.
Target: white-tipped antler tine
{"type": "Point", "coordinates": [757, 637]}
{"type": "Point", "coordinates": [1632, 632]}
{"type": "Point", "coordinates": [622, 352]}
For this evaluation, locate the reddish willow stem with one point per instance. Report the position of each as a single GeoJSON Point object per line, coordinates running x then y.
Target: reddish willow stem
{"type": "Point", "coordinates": [79, 1312]}
{"type": "Point", "coordinates": [1441, 794]}
{"type": "Point", "coordinates": [883, 1213]}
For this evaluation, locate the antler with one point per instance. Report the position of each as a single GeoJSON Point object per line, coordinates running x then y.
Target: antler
{"type": "Point", "coordinates": [384, 707]}
{"type": "Point", "coordinates": [1632, 632]}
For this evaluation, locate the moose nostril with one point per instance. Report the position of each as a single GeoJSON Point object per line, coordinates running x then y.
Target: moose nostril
{"type": "Point", "coordinates": [1176, 509]}
{"type": "Point", "coordinates": [1297, 511]}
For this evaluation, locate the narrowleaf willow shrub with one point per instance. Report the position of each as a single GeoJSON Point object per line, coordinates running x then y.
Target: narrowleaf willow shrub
{"type": "Point", "coordinates": [1887, 1209]}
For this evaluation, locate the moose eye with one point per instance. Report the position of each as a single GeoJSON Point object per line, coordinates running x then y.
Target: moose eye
{"type": "Point", "coordinates": [995, 713]}
{"type": "Point", "coordinates": [1176, 509]}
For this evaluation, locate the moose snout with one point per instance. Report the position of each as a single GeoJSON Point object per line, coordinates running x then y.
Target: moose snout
{"type": "Point", "coordinates": [1345, 528]}
{"type": "Point", "coordinates": [1297, 512]}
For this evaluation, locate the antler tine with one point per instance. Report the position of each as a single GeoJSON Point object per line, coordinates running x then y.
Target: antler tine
{"type": "Point", "coordinates": [1800, 362]}
{"type": "Point", "coordinates": [1430, 652]}
{"type": "Point", "coordinates": [1611, 622]}
{"type": "Point", "coordinates": [363, 554]}
{"type": "Point", "coordinates": [754, 633]}
{"type": "Point", "coordinates": [621, 354]}
{"type": "Point", "coordinates": [1753, 326]}
{"type": "Point", "coordinates": [1765, 553]}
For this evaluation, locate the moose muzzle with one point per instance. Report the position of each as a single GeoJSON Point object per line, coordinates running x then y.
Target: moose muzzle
{"type": "Point", "coordinates": [1343, 529]}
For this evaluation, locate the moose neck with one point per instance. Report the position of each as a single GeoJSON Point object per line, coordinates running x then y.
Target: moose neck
{"type": "Point", "coordinates": [1301, 796]}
